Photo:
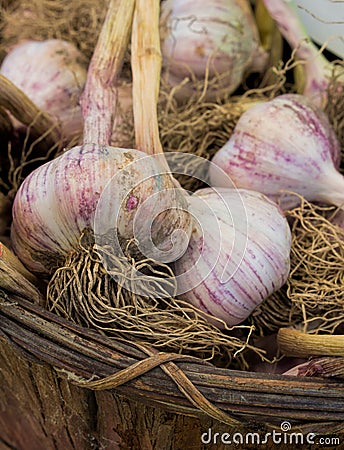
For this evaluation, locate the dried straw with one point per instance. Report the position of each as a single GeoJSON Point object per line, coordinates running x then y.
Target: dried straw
{"type": "Point", "coordinates": [78, 21]}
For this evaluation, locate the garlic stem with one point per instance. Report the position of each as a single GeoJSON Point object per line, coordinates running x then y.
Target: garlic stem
{"type": "Point", "coordinates": [297, 343]}
{"type": "Point", "coordinates": [172, 229]}
{"type": "Point", "coordinates": [317, 67]}
{"type": "Point", "coordinates": [23, 109]}
{"type": "Point", "coordinates": [98, 100]}
{"type": "Point", "coordinates": [146, 69]}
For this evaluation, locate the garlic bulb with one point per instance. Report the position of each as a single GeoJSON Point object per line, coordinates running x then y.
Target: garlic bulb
{"type": "Point", "coordinates": [57, 201]}
{"type": "Point", "coordinates": [214, 38]}
{"type": "Point", "coordinates": [284, 144]}
{"type": "Point", "coordinates": [238, 253]}
{"type": "Point", "coordinates": [52, 74]}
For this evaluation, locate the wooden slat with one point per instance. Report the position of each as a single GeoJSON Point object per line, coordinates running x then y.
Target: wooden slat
{"type": "Point", "coordinates": [84, 353]}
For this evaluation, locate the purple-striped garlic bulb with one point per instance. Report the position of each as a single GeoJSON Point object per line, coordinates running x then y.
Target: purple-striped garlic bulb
{"type": "Point", "coordinates": [57, 201]}
{"type": "Point", "coordinates": [285, 144]}
{"type": "Point", "coordinates": [52, 74]}
{"type": "Point", "coordinates": [217, 39]}
{"type": "Point", "coordinates": [238, 255]}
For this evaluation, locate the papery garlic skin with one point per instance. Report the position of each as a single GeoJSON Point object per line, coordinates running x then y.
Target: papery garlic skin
{"type": "Point", "coordinates": [251, 259]}
{"type": "Point", "coordinates": [52, 74]}
{"type": "Point", "coordinates": [287, 144]}
{"type": "Point", "coordinates": [219, 35]}
{"type": "Point", "coordinates": [57, 201]}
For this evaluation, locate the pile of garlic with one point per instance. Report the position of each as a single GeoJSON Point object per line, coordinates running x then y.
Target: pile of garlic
{"type": "Point", "coordinates": [228, 244]}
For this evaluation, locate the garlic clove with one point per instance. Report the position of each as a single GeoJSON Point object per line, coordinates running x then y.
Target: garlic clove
{"type": "Point", "coordinates": [284, 144]}
{"type": "Point", "coordinates": [238, 254]}
{"type": "Point", "coordinates": [215, 36]}
{"type": "Point", "coordinates": [52, 74]}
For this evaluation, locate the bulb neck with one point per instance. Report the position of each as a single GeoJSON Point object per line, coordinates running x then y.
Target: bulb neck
{"type": "Point", "coordinates": [332, 189]}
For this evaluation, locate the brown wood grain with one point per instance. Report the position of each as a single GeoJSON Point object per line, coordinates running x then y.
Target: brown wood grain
{"type": "Point", "coordinates": [40, 409]}
{"type": "Point", "coordinates": [43, 396]}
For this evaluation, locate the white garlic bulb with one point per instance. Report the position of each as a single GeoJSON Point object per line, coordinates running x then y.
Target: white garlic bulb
{"type": "Point", "coordinates": [219, 36]}
{"type": "Point", "coordinates": [52, 74]}
{"type": "Point", "coordinates": [285, 144]}
{"type": "Point", "coordinates": [239, 253]}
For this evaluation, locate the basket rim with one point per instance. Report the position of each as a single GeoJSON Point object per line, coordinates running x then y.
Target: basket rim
{"type": "Point", "coordinates": [196, 387]}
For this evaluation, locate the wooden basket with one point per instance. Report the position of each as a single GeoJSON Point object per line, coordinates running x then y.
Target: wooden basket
{"type": "Point", "coordinates": [67, 387]}
{"type": "Point", "coordinates": [64, 387]}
